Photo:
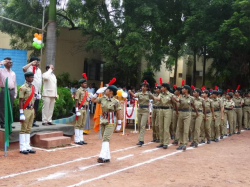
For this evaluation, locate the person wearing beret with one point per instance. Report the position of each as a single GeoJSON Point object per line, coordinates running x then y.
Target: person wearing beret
{"type": "Point", "coordinates": [238, 101]}
{"type": "Point", "coordinates": [82, 98]}
{"type": "Point", "coordinates": [110, 109]}
{"type": "Point", "coordinates": [206, 124]}
{"type": "Point", "coordinates": [165, 117]}
{"type": "Point", "coordinates": [228, 111]}
{"type": "Point", "coordinates": [196, 121]}
{"type": "Point", "coordinates": [49, 95]}
{"type": "Point", "coordinates": [186, 103]}
{"type": "Point", "coordinates": [27, 113]}
{"type": "Point", "coordinates": [144, 97]}
{"type": "Point", "coordinates": [246, 111]}
{"type": "Point", "coordinates": [155, 115]}
{"type": "Point", "coordinates": [218, 114]}
{"type": "Point", "coordinates": [177, 95]}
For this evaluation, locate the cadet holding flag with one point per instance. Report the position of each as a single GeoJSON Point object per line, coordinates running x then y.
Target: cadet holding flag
{"type": "Point", "coordinates": [27, 113]}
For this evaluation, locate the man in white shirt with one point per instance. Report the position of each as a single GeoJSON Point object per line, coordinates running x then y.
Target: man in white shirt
{"type": "Point", "coordinates": [6, 72]}
{"type": "Point", "coordinates": [33, 66]}
{"type": "Point", "coordinates": [49, 95]}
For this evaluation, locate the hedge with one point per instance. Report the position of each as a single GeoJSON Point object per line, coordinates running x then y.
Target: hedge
{"type": "Point", "coordinates": [63, 105]}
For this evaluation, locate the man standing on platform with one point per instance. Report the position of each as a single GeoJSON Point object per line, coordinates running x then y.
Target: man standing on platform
{"type": "Point", "coordinates": [4, 73]}
{"type": "Point", "coordinates": [33, 66]}
{"type": "Point", "coordinates": [49, 95]}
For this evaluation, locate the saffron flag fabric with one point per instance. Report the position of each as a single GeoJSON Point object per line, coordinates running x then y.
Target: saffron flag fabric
{"type": "Point", "coordinates": [98, 113]}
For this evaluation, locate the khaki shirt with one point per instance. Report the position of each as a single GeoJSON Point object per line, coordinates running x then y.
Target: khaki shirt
{"type": "Point", "coordinates": [143, 98]}
{"type": "Point", "coordinates": [238, 101]}
{"type": "Point", "coordinates": [198, 103]}
{"type": "Point", "coordinates": [177, 103]}
{"type": "Point", "coordinates": [208, 104]}
{"type": "Point", "coordinates": [217, 103]}
{"type": "Point", "coordinates": [247, 100]}
{"type": "Point", "coordinates": [24, 93]}
{"type": "Point", "coordinates": [229, 103]}
{"type": "Point", "coordinates": [185, 102]}
{"type": "Point", "coordinates": [109, 105]}
{"type": "Point", "coordinates": [155, 102]}
{"type": "Point", "coordinates": [166, 99]}
{"type": "Point", "coordinates": [80, 94]}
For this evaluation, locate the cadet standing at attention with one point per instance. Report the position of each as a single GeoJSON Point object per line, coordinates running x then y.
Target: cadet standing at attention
{"type": "Point", "coordinates": [166, 113]}
{"type": "Point", "coordinates": [143, 111]}
{"type": "Point", "coordinates": [197, 120]}
{"type": "Point", "coordinates": [218, 116]}
{"type": "Point", "coordinates": [110, 106]}
{"type": "Point", "coordinates": [186, 102]}
{"type": "Point", "coordinates": [82, 99]}
{"type": "Point", "coordinates": [238, 101]}
{"type": "Point", "coordinates": [27, 113]}
{"type": "Point", "coordinates": [155, 115]}
{"type": "Point", "coordinates": [206, 124]}
{"type": "Point", "coordinates": [228, 111]}
{"type": "Point", "coordinates": [246, 110]}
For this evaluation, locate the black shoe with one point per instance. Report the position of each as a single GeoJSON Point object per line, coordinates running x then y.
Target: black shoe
{"type": "Point", "coordinates": [103, 160]}
{"type": "Point", "coordinates": [153, 141]}
{"type": "Point", "coordinates": [24, 152]}
{"type": "Point", "coordinates": [50, 123]}
{"type": "Point", "coordinates": [160, 146]}
{"type": "Point", "coordinates": [165, 146]}
{"type": "Point", "coordinates": [157, 141]}
{"type": "Point", "coordinates": [140, 143]}
{"type": "Point", "coordinates": [192, 144]}
{"type": "Point", "coordinates": [13, 127]}
{"type": "Point", "coordinates": [238, 132]}
{"type": "Point", "coordinates": [31, 151]}
{"type": "Point", "coordinates": [225, 134]}
{"type": "Point", "coordinates": [179, 148]}
{"type": "Point", "coordinates": [230, 135]}
{"type": "Point", "coordinates": [202, 141]}
{"type": "Point", "coordinates": [195, 144]}
{"type": "Point", "coordinates": [245, 128]}
{"type": "Point", "coordinates": [83, 142]}
{"type": "Point", "coordinates": [234, 132]}
{"type": "Point", "coordinates": [175, 142]}
{"type": "Point", "coordinates": [221, 137]}
{"type": "Point", "coordinates": [213, 140]}
{"type": "Point", "coordinates": [208, 142]}
{"type": "Point", "coordinates": [248, 128]}
{"type": "Point", "coordinates": [79, 143]}
{"type": "Point", "coordinates": [35, 125]}
{"type": "Point", "coordinates": [172, 137]}
{"type": "Point", "coordinates": [216, 140]}
{"type": "Point", "coordinates": [184, 148]}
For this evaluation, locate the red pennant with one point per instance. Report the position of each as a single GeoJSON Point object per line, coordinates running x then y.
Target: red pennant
{"type": "Point", "coordinates": [84, 76]}
{"type": "Point", "coordinates": [112, 81]}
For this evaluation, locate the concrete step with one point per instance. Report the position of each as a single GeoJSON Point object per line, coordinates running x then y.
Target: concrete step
{"type": "Point", "coordinates": [54, 142]}
{"type": "Point", "coordinates": [49, 134]}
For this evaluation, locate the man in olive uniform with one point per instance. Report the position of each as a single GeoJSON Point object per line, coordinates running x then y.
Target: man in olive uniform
{"type": "Point", "coordinates": [238, 101]}
{"type": "Point", "coordinates": [27, 113]}
{"type": "Point", "coordinates": [82, 98]}
{"type": "Point", "coordinates": [155, 115]}
{"type": "Point", "coordinates": [228, 111]}
{"type": "Point", "coordinates": [246, 110]}
{"type": "Point", "coordinates": [166, 113]}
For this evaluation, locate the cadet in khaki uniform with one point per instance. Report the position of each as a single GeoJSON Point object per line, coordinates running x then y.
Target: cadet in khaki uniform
{"type": "Point", "coordinates": [155, 115]}
{"type": "Point", "coordinates": [143, 111]}
{"type": "Point", "coordinates": [238, 101]}
{"type": "Point", "coordinates": [195, 124]}
{"type": "Point", "coordinates": [110, 106]}
{"type": "Point", "coordinates": [246, 110]}
{"type": "Point", "coordinates": [176, 114]}
{"type": "Point", "coordinates": [27, 113]}
{"type": "Point", "coordinates": [206, 124]}
{"type": "Point", "coordinates": [186, 102]}
{"type": "Point", "coordinates": [82, 98]}
{"type": "Point", "coordinates": [218, 116]}
{"type": "Point", "coordinates": [228, 111]}
{"type": "Point", "coordinates": [166, 113]}
{"type": "Point", "coordinates": [222, 127]}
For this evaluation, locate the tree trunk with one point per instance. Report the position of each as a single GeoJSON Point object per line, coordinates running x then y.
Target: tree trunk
{"type": "Point", "coordinates": [204, 66]}
{"type": "Point", "coordinates": [194, 70]}
{"type": "Point", "coordinates": [51, 35]}
{"type": "Point", "coordinates": [175, 67]}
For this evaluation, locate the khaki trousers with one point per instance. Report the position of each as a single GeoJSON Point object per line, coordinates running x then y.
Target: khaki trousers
{"type": "Point", "coordinates": [206, 128]}
{"type": "Point", "coordinates": [164, 125]}
{"type": "Point", "coordinates": [28, 122]}
{"type": "Point", "coordinates": [246, 111]}
{"type": "Point", "coordinates": [175, 124]}
{"type": "Point", "coordinates": [81, 122]}
{"type": "Point", "coordinates": [237, 119]}
{"type": "Point", "coordinates": [48, 109]}
{"type": "Point", "coordinates": [215, 126]}
{"type": "Point", "coordinates": [229, 116]}
{"type": "Point", "coordinates": [183, 126]}
{"type": "Point", "coordinates": [107, 130]}
{"type": "Point", "coordinates": [155, 123]}
{"type": "Point", "coordinates": [195, 126]}
{"type": "Point", "coordinates": [142, 118]}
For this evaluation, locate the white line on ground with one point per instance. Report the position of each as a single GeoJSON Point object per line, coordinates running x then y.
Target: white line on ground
{"type": "Point", "coordinates": [121, 158]}
{"type": "Point", "coordinates": [155, 149]}
{"type": "Point", "coordinates": [63, 163]}
{"type": "Point", "coordinates": [57, 149]}
{"type": "Point", "coordinates": [52, 176]}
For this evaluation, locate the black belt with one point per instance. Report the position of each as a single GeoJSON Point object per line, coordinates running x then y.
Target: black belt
{"type": "Point", "coordinates": [143, 106]}
{"type": "Point", "coordinates": [8, 88]}
{"type": "Point", "coordinates": [83, 107]}
{"type": "Point", "coordinates": [208, 111]}
{"type": "Point", "coordinates": [197, 111]}
{"type": "Point", "coordinates": [228, 109]}
{"type": "Point", "coordinates": [237, 107]}
{"type": "Point", "coordinates": [166, 107]}
{"type": "Point", "coordinates": [29, 107]}
{"type": "Point", "coordinates": [156, 107]}
{"type": "Point", "coordinates": [184, 110]}
{"type": "Point", "coordinates": [216, 110]}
